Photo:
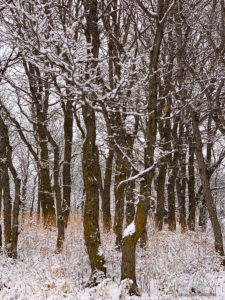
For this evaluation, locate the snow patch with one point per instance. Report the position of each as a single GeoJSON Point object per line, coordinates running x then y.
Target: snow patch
{"type": "Point", "coordinates": [129, 230]}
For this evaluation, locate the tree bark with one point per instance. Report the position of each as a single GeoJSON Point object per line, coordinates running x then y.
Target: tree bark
{"type": "Point", "coordinates": [68, 137]}
{"type": "Point", "coordinates": [191, 186]}
{"type": "Point", "coordinates": [119, 194]}
{"type": "Point", "coordinates": [7, 211]}
{"type": "Point", "coordinates": [107, 193]}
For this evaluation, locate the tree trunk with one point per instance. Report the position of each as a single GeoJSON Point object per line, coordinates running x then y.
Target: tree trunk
{"type": "Point", "coordinates": [160, 212]}
{"type": "Point", "coordinates": [206, 185]}
{"type": "Point", "coordinates": [181, 188]}
{"type": "Point", "coordinates": [119, 194]}
{"type": "Point", "coordinates": [106, 193]}
{"type": "Point", "coordinates": [6, 187]}
{"type": "Point", "coordinates": [1, 187]}
{"type": "Point", "coordinates": [90, 162]}
{"type": "Point", "coordinates": [68, 137]}
{"type": "Point", "coordinates": [91, 206]}
{"type": "Point", "coordinates": [191, 187]}
{"type": "Point", "coordinates": [58, 198]}
{"type": "Point", "coordinates": [130, 198]}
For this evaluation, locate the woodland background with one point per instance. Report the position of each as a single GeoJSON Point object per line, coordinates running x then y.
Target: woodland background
{"type": "Point", "coordinates": [112, 124]}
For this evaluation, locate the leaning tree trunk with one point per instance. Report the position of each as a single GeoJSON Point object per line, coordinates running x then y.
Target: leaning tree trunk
{"type": "Point", "coordinates": [206, 185]}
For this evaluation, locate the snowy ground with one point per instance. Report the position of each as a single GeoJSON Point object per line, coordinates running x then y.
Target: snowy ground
{"type": "Point", "coordinates": [173, 266]}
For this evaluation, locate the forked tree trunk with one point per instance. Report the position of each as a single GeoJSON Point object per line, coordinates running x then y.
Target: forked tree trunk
{"type": "Point", "coordinates": [140, 220]}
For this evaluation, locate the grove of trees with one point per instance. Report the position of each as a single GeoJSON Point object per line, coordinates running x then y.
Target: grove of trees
{"type": "Point", "coordinates": [114, 109]}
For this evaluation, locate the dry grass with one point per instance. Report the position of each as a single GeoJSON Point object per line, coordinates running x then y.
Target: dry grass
{"type": "Point", "coordinates": [171, 264]}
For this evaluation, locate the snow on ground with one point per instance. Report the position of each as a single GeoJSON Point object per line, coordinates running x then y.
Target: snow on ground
{"type": "Point", "coordinates": [173, 266]}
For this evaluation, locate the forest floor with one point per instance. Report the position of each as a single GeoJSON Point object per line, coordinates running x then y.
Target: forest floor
{"type": "Point", "coordinates": [173, 266]}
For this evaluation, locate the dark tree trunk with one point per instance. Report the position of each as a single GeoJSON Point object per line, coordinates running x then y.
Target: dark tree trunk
{"type": "Point", "coordinates": [1, 187]}
{"type": "Point", "coordinates": [11, 223]}
{"type": "Point", "coordinates": [91, 206]}
{"type": "Point", "coordinates": [203, 214]}
{"type": "Point", "coordinates": [6, 187]}
{"type": "Point", "coordinates": [119, 194]}
{"type": "Point", "coordinates": [90, 162]}
{"type": "Point", "coordinates": [130, 198]}
{"type": "Point", "coordinates": [68, 137]}
{"type": "Point", "coordinates": [106, 193]}
{"type": "Point", "coordinates": [191, 187]}
{"type": "Point", "coordinates": [33, 197]}
{"type": "Point", "coordinates": [160, 212]}
{"type": "Point", "coordinates": [181, 188]}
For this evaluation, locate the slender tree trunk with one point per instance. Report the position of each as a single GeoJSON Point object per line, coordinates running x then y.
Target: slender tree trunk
{"type": "Point", "coordinates": [171, 201]}
{"type": "Point", "coordinates": [68, 137]}
{"type": "Point", "coordinates": [15, 217]}
{"type": "Point", "coordinates": [160, 212]}
{"type": "Point", "coordinates": [181, 188]}
{"type": "Point", "coordinates": [33, 197]}
{"type": "Point", "coordinates": [24, 191]}
{"type": "Point", "coordinates": [39, 201]}
{"type": "Point", "coordinates": [191, 187]}
{"type": "Point", "coordinates": [203, 215]}
{"type": "Point", "coordinates": [57, 190]}
{"type": "Point", "coordinates": [119, 193]}
{"type": "Point", "coordinates": [46, 196]}
{"type": "Point", "coordinates": [107, 193]}
{"type": "Point", "coordinates": [6, 187]}
{"type": "Point", "coordinates": [1, 187]}
{"type": "Point", "coordinates": [206, 185]}
{"type": "Point", "coordinates": [11, 223]}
